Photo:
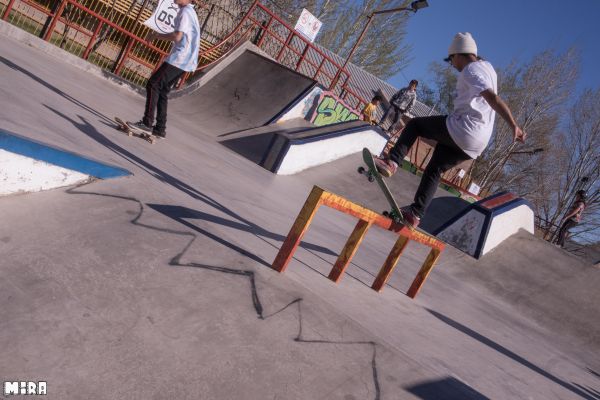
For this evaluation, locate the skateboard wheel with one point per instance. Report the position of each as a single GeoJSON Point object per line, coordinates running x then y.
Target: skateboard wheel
{"type": "Point", "coordinates": [371, 178]}
{"type": "Point", "coordinates": [361, 170]}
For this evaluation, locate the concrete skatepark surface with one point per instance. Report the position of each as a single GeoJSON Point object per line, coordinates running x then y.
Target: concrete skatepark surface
{"type": "Point", "coordinates": [159, 285]}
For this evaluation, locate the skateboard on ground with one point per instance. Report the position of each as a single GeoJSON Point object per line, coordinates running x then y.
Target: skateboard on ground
{"type": "Point", "coordinates": [372, 174]}
{"type": "Point", "coordinates": [131, 131]}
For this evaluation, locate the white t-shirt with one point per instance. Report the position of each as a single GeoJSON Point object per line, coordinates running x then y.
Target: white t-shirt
{"type": "Point", "coordinates": [184, 54]}
{"type": "Point", "coordinates": [471, 123]}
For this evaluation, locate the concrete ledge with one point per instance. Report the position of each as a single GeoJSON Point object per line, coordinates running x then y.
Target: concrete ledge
{"type": "Point", "coordinates": [28, 166]}
{"type": "Point", "coordinates": [484, 225]}
{"type": "Point", "coordinates": [295, 145]}
{"type": "Point", "coordinates": [291, 153]}
{"type": "Point", "coordinates": [20, 174]}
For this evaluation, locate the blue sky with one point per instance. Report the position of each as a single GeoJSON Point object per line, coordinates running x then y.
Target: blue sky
{"type": "Point", "coordinates": [505, 30]}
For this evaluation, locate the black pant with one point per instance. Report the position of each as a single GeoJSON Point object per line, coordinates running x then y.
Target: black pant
{"type": "Point", "coordinates": [446, 155]}
{"type": "Point", "coordinates": [397, 114]}
{"type": "Point", "coordinates": [157, 91]}
{"type": "Point", "coordinates": [564, 229]}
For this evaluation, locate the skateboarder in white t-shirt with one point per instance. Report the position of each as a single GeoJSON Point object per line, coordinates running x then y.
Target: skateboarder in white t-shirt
{"type": "Point", "coordinates": [460, 136]}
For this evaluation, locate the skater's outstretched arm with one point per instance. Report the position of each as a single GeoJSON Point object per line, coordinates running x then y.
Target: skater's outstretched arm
{"type": "Point", "coordinates": [501, 108]}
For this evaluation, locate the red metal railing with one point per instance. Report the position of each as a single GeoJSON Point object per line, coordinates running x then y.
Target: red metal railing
{"type": "Point", "coordinates": [288, 47]}
{"type": "Point", "coordinates": [133, 54]}
{"type": "Point", "coordinates": [367, 218]}
{"type": "Point", "coordinates": [278, 39]}
{"type": "Point", "coordinates": [124, 53]}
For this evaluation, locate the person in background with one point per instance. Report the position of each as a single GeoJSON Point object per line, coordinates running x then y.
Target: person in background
{"type": "Point", "coordinates": [572, 218]}
{"type": "Point", "coordinates": [368, 113]}
{"type": "Point", "coordinates": [183, 58]}
{"type": "Point", "coordinates": [401, 103]}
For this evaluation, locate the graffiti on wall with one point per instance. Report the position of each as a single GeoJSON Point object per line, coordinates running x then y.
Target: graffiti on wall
{"type": "Point", "coordinates": [327, 109]}
{"type": "Point", "coordinates": [321, 108]}
{"type": "Point", "coordinates": [331, 110]}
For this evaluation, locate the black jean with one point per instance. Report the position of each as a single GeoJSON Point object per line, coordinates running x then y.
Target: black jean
{"type": "Point", "coordinates": [157, 92]}
{"type": "Point", "coordinates": [446, 155]}
{"type": "Point", "coordinates": [564, 229]}
{"type": "Point", "coordinates": [397, 114]}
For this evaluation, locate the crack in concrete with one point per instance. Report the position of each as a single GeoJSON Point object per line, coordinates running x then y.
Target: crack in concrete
{"type": "Point", "coordinates": [176, 261]}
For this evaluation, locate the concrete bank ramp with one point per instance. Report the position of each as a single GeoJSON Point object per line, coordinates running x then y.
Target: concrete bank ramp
{"type": "Point", "coordinates": [244, 91]}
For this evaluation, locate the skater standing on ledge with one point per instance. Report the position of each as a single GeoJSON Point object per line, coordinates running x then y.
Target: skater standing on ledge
{"type": "Point", "coordinates": [460, 136]}
{"type": "Point", "coordinates": [183, 58]}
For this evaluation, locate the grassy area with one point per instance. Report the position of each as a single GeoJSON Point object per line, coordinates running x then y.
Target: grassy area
{"type": "Point", "coordinates": [412, 168]}
{"type": "Point", "coordinates": [24, 22]}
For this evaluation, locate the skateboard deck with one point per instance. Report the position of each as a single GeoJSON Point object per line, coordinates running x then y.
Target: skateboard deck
{"type": "Point", "coordinates": [372, 174]}
{"type": "Point", "coordinates": [131, 131]}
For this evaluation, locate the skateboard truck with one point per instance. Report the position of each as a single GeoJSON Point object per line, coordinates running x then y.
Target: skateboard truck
{"type": "Point", "coordinates": [363, 171]}
{"type": "Point", "coordinates": [393, 216]}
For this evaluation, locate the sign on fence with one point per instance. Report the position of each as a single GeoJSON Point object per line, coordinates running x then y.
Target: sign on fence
{"type": "Point", "coordinates": [474, 189]}
{"type": "Point", "coordinates": [308, 25]}
{"type": "Point", "coordinates": [163, 18]}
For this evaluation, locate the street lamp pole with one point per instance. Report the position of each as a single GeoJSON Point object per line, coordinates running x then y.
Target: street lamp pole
{"type": "Point", "coordinates": [414, 7]}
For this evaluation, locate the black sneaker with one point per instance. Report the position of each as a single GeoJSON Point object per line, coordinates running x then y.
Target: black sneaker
{"type": "Point", "coordinates": [410, 217]}
{"type": "Point", "coordinates": [140, 125]}
{"type": "Point", "coordinates": [159, 134]}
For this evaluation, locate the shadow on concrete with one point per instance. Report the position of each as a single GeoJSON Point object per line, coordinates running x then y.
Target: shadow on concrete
{"type": "Point", "coordinates": [242, 224]}
{"type": "Point", "coordinates": [184, 214]}
{"type": "Point", "coordinates": [442, 210]}
{"type": "Point", "coordinates": [91, 131]}
{"type": "Point", "coordinates": [254, 148]}
{"type": "Point", "coordinates": [56, 90]}
{"type": "Point", "coordinates": [445, 389]}
{"type": "Point", "coordinates": [176, 261]}
{"type": "Point", "coordinates": [591, 371]}
{"type": "Point", "coordinates": [585, 393]}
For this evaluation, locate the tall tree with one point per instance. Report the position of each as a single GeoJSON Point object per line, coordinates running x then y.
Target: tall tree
{"type": "Point", "coordinates": [576, 167]}
{"type": "Point", "coordinates": [443, 87]}
{"type": "Point", "coordinates": [537, 92]}
{"type": "Point", "coordinates": [381, 52]}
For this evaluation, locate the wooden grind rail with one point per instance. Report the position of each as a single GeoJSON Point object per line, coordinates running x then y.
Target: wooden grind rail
{"type": "Point", "coordinates": [367, 218]}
